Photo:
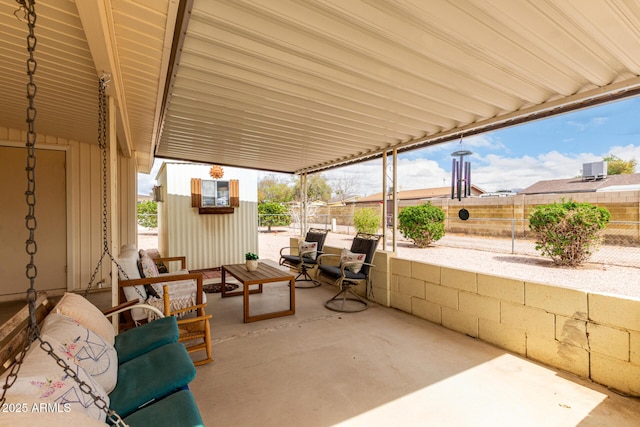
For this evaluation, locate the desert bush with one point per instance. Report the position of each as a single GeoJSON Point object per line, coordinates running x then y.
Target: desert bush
{"type": "Point", "coordinates": [367, 220]}
{"type": "Point", "coordinates": [148, 214]}
{"type": "Point", "coordinates": [273, 214]}
{"type": "Point", "coordinates": [423, 224]}
{"type": "Point", "coordinates": [568, 232]}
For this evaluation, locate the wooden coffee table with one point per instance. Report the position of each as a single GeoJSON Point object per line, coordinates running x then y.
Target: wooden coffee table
{"type": "Point", "coordinates": [265, 273]}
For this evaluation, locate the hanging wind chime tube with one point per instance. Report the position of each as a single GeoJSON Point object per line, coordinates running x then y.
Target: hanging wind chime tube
{"type": "Point", "coordinates": [460, 175]}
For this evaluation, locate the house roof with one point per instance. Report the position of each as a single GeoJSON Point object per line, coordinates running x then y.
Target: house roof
{"type": "Point", "coordinates": [305, 86]}
{"type": "Point", "coordinates": [422, 193]}
{"type": "Point", "coordinates": [578, 185]}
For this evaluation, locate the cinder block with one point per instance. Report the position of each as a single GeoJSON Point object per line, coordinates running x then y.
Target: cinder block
{"type": "Point", "coordinates": [459, 279]}
{"type": "Point", "coordinates": [482, 307]}
{"type": "Point", "coordinates": [568, 302]}
{"type": "Point", "coordinates": [401, 267]}
{"type": "Point", "coordinates": [561, 355]}
{"type": "Point", "coordinates": [446, 297]}
{"type": "Point", "coordinates": [615, 311]}
{"type": "Point", "coordinates": [501, 288]}
{"type": "Point", "coordinates": [503, 336]}
{"type": "Point", "coordinates": [379, 279]}
{"type": "Point", "coordinates": [609, 341]}
{"type": "Point", "coordinates": [427, 272]}
{"type": "Point", "coordinates": [531, 320]}
{"type": "Point", "coordinates": [458, 321]}
{"type": "Point", "coordinates": [382, 260]}
{"type": "Point", "coordinates": [572, 331]}
{"type": "Point", "coordinates": [411, 287]}
{"type": "Point", "coordinates": [614, 373]}
{"type": "Point", "coordinates": [634, 344]}
{"type": "Point", "coordinates": [394, 283]}
{"type": "Point", "coordinates": [401, 302]}
{"type": "Point", "coordinates": [426, 310]}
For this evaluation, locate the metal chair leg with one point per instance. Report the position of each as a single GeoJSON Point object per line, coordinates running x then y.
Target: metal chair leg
{"type": "Point", "coordinates": [346, 301]}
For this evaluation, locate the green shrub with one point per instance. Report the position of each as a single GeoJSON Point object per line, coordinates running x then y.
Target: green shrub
{"type": "Point", "coordinates": [273, 214]}
{"type": "Point", "coordinates": [148, 214]}
{"type": "Point", "coordinates": [367, 220]}
{"type": "Point", "coordinates": [422, 224]}
{"type": "Point", "coordinates": [568, 232]}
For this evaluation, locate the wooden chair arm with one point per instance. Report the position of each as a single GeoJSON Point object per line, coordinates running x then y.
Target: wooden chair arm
{"type": "Point", "coordinates": [182, 259]}
{"type": "Point", "coordinates": [164, 279]}
{"type": "Point", "coordinates": [187, 309]}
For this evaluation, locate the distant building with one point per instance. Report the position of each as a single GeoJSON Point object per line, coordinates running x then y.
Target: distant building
{"type": "Point", "coordinates": [625, 182]}
{"type": "Point", "coordinates": [416, 195]}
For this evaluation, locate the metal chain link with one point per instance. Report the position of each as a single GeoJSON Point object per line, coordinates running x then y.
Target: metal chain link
{"type": "Point", "coordinates": [30, 195]}
{"type": "Point", "coordinates": [33, 331]}
{"type": "Point", "coordinates": [102, 143]}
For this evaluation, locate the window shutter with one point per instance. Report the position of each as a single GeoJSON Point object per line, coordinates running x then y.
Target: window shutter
{"type": "Point", "coordinates": [196, 192]}
{"type": "Point", "coordinates": [234, 193]}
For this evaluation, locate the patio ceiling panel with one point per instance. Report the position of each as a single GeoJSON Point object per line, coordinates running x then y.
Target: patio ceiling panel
{"type": "Point", "coordinates": [336, 82]}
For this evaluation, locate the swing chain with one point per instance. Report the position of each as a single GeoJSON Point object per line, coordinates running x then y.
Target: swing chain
{"type": "Point", "coordinates": [102, 143]}
{"type": "Point", "coordinates": [30, 195]}
{"type": "Point", "coordinates": [33, 331]}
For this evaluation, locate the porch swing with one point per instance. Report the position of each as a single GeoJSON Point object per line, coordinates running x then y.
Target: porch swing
{"type": "Point", "coordinates": [70, 386]}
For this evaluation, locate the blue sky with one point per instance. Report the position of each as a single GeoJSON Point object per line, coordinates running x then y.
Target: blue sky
{"type": "Point", "coordinates": [507, 159]}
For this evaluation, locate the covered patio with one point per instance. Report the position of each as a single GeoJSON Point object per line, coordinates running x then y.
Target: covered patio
{"type": "Point", "coordinates": [381, 367]}
{"type": "Point", "coordinates": [301, 87]}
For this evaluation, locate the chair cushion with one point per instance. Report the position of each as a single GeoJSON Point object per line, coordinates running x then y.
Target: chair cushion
{"type": "Point", "coordinates": [177, 409]}
{"type": "Point", "coordinates": [310, 250]}
{"type": "Point", "coordinates": [356, 260]}
{"type": "Point", "coordinates": [87, 314]}
{"type": "Point", "coordinates": [336, 272]}
{"type": "Point", "coordinates": [151, 376]}
{"type": "Point", "coordinates": [137, 341]}
{"type": "Point", "coordinates": [84, 347]}
{"type": "Point", "coordinates": [148, 267]}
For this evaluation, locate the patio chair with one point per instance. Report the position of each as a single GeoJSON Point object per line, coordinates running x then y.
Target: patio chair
{"type": "Point", "coordinates": [354, 268]}
{"type": "Point", "coordinates": [193, 331]}
{"type": "Point", "coordinates": [306, 259]}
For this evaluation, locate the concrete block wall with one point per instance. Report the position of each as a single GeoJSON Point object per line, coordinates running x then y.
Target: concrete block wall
{"type": "Point", "coordinates": [591, 335]}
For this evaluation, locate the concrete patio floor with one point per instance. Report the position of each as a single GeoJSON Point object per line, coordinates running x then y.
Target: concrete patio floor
{"type": "Point", "coordinates": [380, 367]}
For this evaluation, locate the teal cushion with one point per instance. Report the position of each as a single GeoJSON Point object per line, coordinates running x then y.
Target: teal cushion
{"type": "Point", "coordinates": [134, 342]}
{"type": "Point", "coordinates": [177, 409]}
{"type": "Point", "coordinates": [150, 377]}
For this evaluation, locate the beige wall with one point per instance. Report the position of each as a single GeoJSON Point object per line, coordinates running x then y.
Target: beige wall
{"type": "Point", "coordinates": [591, 335]}
{"type": "Point", "coordinates": [491, 216]}
{"type": "Point", "coordinates": [84, 207]}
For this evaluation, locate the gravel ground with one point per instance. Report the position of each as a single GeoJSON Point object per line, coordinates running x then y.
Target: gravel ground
{"type": "Point", "coordinates": [598, 278]}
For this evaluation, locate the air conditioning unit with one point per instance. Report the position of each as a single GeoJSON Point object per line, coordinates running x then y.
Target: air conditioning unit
{"type": "Point", "coordinates": [595, 170]}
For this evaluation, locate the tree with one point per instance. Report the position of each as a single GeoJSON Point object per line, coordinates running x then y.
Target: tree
{"type": "Point", "coordinates": [617, 166]}
{"type": "Point", "coordinates": [317, 188]}
{"type": "Point", "coordinates": [272, 189]}
{"type": "Point", "coordinates": [367, 220]}
{"type": "Point", "coordinates": [148, 214]}
{"type": "Point", "coordinates": [568, 232]}
{"type": "Point", "coordinates": [345, 186]}
{"type": "Point", "coordinates": [273, 214]}
{"type": "Point", "coordinates": [422, 224]}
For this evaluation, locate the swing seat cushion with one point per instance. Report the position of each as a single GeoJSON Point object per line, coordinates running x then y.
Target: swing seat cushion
{"type": "Point", "coordinates": [150, 377]}
{"type": "Point", "coordinates": [145, 338]}
{"type": "Point", "coordinates": [87, 314]}
{"type": "Point", "coordinates": [177, 409]}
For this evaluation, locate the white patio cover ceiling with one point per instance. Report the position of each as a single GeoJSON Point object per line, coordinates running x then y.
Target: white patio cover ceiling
{"type": "Point", "coordinates": [304, 85]}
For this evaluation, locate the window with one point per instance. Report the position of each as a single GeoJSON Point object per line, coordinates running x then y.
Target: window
{"type": "Point", "coordinates": [215, 196]}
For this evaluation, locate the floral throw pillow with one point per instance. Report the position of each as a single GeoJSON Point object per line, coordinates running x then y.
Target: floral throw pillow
{"type": "Point", "coordinates": [83, 347]}
{"type": "Point", "coordinates": [356, 260]}
{"type": "Point", "coordinates": [310, 248]}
